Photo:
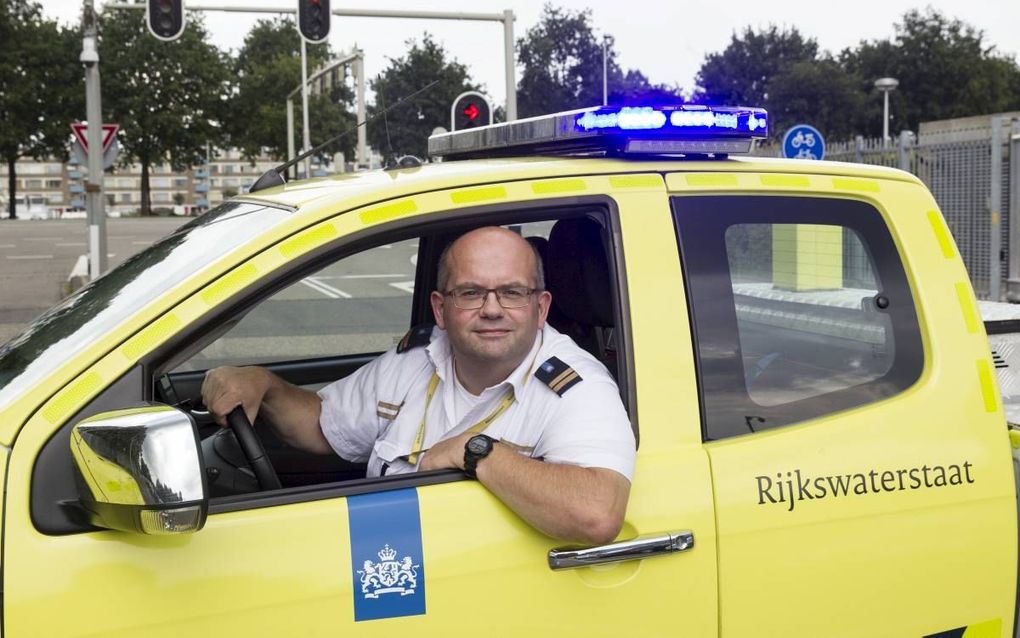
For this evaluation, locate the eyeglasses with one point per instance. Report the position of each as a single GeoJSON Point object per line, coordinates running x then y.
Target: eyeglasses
{"type": "Point", "coordinates": [474, 298]}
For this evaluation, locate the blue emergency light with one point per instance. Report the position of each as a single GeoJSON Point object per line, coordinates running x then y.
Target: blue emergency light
{"type": "Point", "coordinates": [687, 129]}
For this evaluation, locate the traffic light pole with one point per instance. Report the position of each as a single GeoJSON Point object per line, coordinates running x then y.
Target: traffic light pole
{"type": "Point", "coordinates": [306, 136]}
{"type": "Point", "coordinates": [506, 18]}
{"type": "Point", "coordinates": [94, 203]}
{"type": "Point", "coordinates": [357, 60]}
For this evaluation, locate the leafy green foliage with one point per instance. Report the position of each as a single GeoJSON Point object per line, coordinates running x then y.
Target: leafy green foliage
{"type": "Point", "coordinates": [563, 67]}
{"type": "Point", "coordinates": [170, 98]}
{"type": "Point", "coordinates": [945, 70]}
{"type": "Point", "coordinates": [782, 71]}
{"type": "Point", "coordinates": [742, 72]}
{"type": "Point", "coordinates": [405, 129]}
{"type": "Point", "coordinates": [818, 92]}
{"type": "Point", "coordinates": [41, 87]}
{"type": "Point", "coordinates": [268, 69]}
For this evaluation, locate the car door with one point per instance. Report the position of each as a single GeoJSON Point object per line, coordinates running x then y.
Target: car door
{"type": "Point", "coordinates": [432, 553]}
{"type": "Point", "coordinates": [861, 477]}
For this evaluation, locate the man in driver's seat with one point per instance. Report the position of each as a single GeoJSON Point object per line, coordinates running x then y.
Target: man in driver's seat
{"type": "Point", "coordinates": [492, 390]}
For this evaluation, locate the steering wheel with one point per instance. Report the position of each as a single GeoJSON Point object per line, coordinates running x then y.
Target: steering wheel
{"type": "Point", "coordinates": [253, 451]}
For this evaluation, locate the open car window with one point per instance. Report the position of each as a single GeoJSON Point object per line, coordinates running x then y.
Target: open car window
{"type": "Point", "coordinates": [321, 324]}
{"type": "Point", "coordinates": [357, 305]}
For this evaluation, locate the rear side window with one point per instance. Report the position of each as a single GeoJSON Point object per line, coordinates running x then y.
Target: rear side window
{"type": "Point", "coordinates": [800, 308]}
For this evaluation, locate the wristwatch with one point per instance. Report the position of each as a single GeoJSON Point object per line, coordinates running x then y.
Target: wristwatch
{"type": "Point", "coordinates": [477, 448]}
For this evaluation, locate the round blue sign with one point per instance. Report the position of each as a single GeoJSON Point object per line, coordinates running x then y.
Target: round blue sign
{"type": "Point", "coordinates": [803, 142]}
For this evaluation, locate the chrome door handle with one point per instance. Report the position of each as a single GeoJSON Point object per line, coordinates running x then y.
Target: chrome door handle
{"type": "Point", "coordinates": [635, 549]}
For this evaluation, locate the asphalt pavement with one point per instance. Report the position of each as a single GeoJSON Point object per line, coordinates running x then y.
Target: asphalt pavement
{"type": "Point", "coordinates": [37, 256]}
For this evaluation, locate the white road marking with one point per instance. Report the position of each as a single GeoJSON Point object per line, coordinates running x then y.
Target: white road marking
{"type": "Point", "coordinates": [40, 238]}
{"type": "Point", "coordinates": [6, 245]}
{"type": "Point", "coordinates": [141, 243]}
{"type": "Point", "coordinates": [72, 243]}
{"type": "Point", "coordinates": [406, 286]}
{"type": "Point", "coordinates": [326, 289]}
{"type": "Point", "coordinates": [29, 256]}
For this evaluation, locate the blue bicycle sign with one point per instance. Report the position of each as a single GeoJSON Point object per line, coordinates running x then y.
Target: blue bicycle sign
{"type": "Point", "coordinates": [803, 141]}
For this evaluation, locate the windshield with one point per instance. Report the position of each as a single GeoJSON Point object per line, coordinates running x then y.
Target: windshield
{"type": "Point", "coordinates": [103, 304]}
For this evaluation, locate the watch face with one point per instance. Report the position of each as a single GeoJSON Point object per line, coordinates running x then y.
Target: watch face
{"type": "Point", "coordinates": [478, 444]}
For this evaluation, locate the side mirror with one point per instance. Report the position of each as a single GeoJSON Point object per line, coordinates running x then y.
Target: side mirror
{"type": "Point", "coordinates": [140, 470]}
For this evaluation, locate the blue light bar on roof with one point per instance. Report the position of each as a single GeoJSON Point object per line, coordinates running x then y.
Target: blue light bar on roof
{"type": "Point", "coordinates": [686, 129]}
{"type": "Point", "coordinates": [686, 118]}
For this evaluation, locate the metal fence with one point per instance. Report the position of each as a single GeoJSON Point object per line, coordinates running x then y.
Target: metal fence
{"type": "Point", "coordinates": [972, 185]}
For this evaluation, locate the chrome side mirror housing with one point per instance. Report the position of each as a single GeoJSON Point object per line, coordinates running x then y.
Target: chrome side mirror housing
{"type": "Point", "coordinates": [140, 470]}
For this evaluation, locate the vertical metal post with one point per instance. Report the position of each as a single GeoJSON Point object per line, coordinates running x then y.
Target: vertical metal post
{"type": "Point", "coordinates": [291, 154]}
{"type": "Point", "coordinates": [306, 140]}
{"type": "Point", "coordinates": [94, 203]}
{"type": "Point", "coordinates": [1013, 283]}
{"type": "Point", "coordinates": [903, 150]}
{"type": "Point", "coordinates": [511, 66]}
{"type": "Point", "coordinates": [359, 71]}
{"type": "Point", "coordinates": [885, 121]}
{"type": "Point", "coordinates": [605, 74]}
{"type": "Point", "coordinates": [859, 149]}
{"type": "Point", "coordinates": [995, 206]}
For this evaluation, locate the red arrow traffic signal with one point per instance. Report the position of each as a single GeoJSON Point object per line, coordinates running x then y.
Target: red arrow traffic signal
{"type": "Point", "coordinates": [469, 110]}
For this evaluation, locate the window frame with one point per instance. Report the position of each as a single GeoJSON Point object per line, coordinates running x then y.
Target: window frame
{"type": "Point", "coordinates": [723, 397]}
{"type": "Point", "coordinates": [433, 230]}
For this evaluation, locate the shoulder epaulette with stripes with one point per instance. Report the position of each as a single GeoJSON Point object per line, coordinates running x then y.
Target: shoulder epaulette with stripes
{"type": "Point", "coordinates": [557, 375]}
{"type": "Point", "coordinates": [416, 337]}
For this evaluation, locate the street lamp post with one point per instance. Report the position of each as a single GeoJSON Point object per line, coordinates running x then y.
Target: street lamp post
{"type": "Point", "coordinates": [605, 71]}
{"type": "Point", "coordinates": [885, 85]}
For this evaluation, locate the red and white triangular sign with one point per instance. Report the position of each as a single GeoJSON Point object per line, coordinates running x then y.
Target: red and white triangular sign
{"type": "Point", "coordinates": [81, 132]}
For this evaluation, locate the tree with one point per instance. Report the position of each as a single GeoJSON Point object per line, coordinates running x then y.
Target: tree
{"type": "Point", "coordinates": [562, 60]}
{"type": "Point", "coordinates": [170, 97]}
{"type": "Point", "coordinates": [818, 92]}
{"type": "Point", "coordinates": [741, 73]}
{"type": "Point", "coordinates": [945, 70]}
{"type": "Point", "coordinates": [41, 90]}
{"type": "Point", "coordinates": [268, 68]}
{"type": "Point", "coordinates": [406, 128]}
{"type": "Point", "coordinates": [783, 72]}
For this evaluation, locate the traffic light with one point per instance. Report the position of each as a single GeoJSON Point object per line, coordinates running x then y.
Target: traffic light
{"type": "Point", "coordinates": [469, 110]}
{"type": "Point", "coordinates": [313, 20]}
{"type": "Point", "coordinates": [165, 18]}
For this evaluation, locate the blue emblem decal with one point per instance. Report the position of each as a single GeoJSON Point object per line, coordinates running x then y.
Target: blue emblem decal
{"type": "Point", "coordinates": [387, 561]}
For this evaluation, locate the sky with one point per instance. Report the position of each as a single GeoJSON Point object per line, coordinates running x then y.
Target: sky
{"type": "Point", "coordinates": [667, 40]}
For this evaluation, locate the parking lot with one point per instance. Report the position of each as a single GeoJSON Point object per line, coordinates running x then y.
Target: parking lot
{"type": "Point", "coordinates": [36, 258]}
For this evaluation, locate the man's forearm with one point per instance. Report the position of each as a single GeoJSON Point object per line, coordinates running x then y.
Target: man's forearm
{"type": "Point", "coordinates": [563, 501]}
{"type": "Point", "coordinates": [294, 413]}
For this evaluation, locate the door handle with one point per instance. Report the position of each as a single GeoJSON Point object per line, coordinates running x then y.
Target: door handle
{"type": "Point", "coordinates": [635, 549]}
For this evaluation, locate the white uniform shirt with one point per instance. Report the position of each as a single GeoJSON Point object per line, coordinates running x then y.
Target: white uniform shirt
{"type": "Point", "coordinates": [374, 414]}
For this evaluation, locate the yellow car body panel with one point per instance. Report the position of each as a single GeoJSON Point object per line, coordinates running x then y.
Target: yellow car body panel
{"type": "Point", "coordinates": [952, 552]}
{"type": "Point", "coordinates": [754, 569]}
{"type": "Point", "coordinates": [301, 591]}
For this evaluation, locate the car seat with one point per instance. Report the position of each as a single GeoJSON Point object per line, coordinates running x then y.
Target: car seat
{"type": "Point", "coordinates": [578, 275]}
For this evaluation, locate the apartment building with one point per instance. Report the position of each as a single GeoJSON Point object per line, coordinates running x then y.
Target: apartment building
{"type": "Point", "coordinates": [62, 186]}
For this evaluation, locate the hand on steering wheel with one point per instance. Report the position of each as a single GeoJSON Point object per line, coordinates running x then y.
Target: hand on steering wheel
{"type": "Point", "coordinates": [253, 451]}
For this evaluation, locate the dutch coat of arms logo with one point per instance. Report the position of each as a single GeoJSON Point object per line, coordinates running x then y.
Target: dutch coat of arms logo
{"type": "Point", "coordinates": [388, 576]}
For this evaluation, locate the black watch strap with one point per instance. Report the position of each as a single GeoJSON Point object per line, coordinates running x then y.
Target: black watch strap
{"type": "Point", "coordinates": [477, 448]}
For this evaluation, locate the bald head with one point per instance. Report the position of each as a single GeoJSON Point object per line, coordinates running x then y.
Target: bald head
{"type": "Point", "coordinates": [495, 239]}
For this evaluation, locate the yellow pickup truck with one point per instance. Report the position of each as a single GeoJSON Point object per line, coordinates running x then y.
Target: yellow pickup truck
{"type": "Point", "coordinates": [822, 449]}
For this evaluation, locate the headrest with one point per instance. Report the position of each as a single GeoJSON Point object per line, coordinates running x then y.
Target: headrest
{"type": "Point", "coordinates": [577, 271]}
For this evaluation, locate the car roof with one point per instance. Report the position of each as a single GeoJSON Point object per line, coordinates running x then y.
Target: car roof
{"type": "Point", "coordinates": [336, 190]}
